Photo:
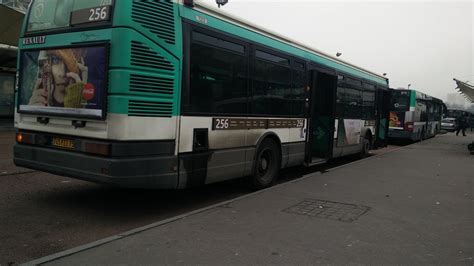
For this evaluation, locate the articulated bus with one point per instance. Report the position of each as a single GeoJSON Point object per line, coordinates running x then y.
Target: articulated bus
{"type": "Point", "coordinates": [414, 115]}
{"type": "Point", "coordinates": [173, 94]}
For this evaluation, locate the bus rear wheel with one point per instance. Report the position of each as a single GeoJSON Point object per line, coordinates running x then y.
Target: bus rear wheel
{"type": "Point", "coordinates": [266, 165]}
{"type": "Point", "coordinates": [366, 145]}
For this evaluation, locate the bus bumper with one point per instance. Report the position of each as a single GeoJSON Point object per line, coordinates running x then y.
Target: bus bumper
{"type": "Point", "coordinates": [155, 172]}
{"type": "Point", "coordinates": [400, 134]}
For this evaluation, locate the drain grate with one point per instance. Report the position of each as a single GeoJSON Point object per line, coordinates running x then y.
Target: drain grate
{"type": "Point", "coordinates": [331, 210]}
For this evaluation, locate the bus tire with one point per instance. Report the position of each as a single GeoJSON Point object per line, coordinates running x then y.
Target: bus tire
{"type": "Point", "coordinates": [366, 145]}
{"type": "Point", "coordinates": [266, 165]}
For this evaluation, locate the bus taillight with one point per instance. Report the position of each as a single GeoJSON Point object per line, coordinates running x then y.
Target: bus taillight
{"type": "Point", "coordinates": [97, 148]}
{"type": "Point", "coordinates": [409, 126]}
{"type": "Point", "coordinates": [19, 137]}
{"type": "Point", "coordinates": [22, 138]}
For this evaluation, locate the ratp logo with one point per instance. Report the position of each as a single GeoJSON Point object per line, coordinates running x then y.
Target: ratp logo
{"type": "Point", "coordinates": [202, 20]}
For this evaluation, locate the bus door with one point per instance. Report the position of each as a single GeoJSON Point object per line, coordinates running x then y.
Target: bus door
{"type": "Point", "coordinates": [383, 117]}
{"type": "Point", "coordinates": [322, 116]}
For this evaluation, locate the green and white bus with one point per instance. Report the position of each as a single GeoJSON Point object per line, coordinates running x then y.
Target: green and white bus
{"type": "Point", "coordinates": [414, 115]}
{"type": "Point", "coordinates": [176, 94]}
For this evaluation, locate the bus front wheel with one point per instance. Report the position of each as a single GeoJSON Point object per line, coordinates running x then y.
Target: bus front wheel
{"type": "Point", "coordinates": [266, 165]}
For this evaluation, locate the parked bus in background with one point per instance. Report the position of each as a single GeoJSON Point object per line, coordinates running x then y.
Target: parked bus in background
{"type": "Point", "coordinates": [454, 113]}
{"type": "Point", "coordinates": [171, 95]}
{"type": "Point", "coordinates": [414, 115]}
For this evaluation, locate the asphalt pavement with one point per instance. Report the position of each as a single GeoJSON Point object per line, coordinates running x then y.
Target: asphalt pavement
{"type": "Point", "coordinates": [42, 214]}
{"type": "Point", "coordinates": [413, 206]}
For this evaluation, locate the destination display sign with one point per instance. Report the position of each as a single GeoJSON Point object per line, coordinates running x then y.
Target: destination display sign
{"type": "Point", "coordinates": [91, 15]}
{"type": "Point", "coordinates": [243, 123]}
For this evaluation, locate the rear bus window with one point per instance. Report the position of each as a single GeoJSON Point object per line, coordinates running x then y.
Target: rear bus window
{"type": "Point", "coordinates": [400, 101]}
{"type": "Point", "coordinates": [56, 14]}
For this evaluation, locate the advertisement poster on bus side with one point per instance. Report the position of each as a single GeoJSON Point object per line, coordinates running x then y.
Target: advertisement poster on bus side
{"type": "Point", "coordinates": [349, 131]}
{"type": "Point", "coordinates": [353, 128]}
{"type": "Point", "coordinates": [65, 82]}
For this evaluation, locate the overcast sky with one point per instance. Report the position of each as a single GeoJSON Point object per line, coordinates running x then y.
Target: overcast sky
{"type": "Point", "coordinates": [423, 43]}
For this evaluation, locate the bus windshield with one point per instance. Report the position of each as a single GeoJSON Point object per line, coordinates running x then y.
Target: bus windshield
{"type": "Point", "coordinates": [56, 14]}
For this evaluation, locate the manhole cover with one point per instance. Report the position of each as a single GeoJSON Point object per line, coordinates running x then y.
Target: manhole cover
{"type": "Point", "coordinates": [331, 210]}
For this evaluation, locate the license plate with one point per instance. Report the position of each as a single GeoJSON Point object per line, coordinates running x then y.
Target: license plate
{"type": "Point", "coordinates": [63, 143]}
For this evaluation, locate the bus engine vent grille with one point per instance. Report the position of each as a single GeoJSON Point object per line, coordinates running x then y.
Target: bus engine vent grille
{"type": "Point", "coordinates": [144, 56]}
{"type": "Point", "coordinates": [157, 17]}
{"type": "Point", "coordinates": [148, 84]}
{"type": "Point", "coordinates": [150, 109]}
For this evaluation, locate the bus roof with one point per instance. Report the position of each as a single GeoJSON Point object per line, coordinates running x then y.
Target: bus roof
{"type": "Point", "coordinates": [205, 8]}
{"type": "Point", "coordinates": [421, 95]}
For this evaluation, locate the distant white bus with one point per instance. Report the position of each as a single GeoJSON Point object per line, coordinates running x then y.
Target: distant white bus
{"type": "Point", "coordinates": [414, 115]}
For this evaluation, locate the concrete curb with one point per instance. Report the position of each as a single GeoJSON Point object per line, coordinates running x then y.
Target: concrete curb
{"type": "Point", "coordinates": [17, 173]}
{"type": "Point", "coordinates": [106, 240]}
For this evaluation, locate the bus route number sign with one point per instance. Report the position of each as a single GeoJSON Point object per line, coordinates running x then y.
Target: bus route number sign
{"type": "Point", "coordinates": [222, 123]}
{"type": "Point", "coordinates": [91, 15]}
{"type": "Point", "coordinates": [255, 123]}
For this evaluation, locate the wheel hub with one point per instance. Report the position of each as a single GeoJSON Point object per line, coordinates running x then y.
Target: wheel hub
{"type": "Point", "coordinates": [264, 164]}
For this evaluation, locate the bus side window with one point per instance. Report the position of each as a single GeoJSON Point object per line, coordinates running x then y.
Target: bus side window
{"type": "Point", "coordinates": [218, 76]}
{"type": "Point", "coordinates": [298, 92]}
{"type": "Point", "coordinates": [353, 103]}
{"type": "Point", "coordinates": [368, 98]}
{"type": "Point", "coordinates": [349, 99]}
{"type": "Point", "coordinates": [340, 102]}
{"type": "Point", "coordinates": [421, 114]}
{"type": "Point", "coordinates": [271, 92]}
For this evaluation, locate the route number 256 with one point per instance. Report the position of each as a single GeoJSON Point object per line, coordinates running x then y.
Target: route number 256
{"type": "Point", "coordinates": [222, 123]}
{"type": "Point", "coordinates": [100, 13]}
